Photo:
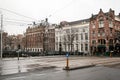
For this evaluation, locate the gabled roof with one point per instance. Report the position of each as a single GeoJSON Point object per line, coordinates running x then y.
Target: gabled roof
{"type": "Point", "coordinates": [105, 13]}
{"type": "Point", "coordinates": [79, 21]}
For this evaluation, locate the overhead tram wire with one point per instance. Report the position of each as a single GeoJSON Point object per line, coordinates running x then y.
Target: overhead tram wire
{"type": "Point", "coordinates": [18, 14]}
{"type": "Point", "coordinates": [8, 21]}
{"type": "Point", "coordinates": [14, 22]}
{"type": "Point", "coordinates": [61, 8]}
{"type": "Point", "coordinates": [17, 20]}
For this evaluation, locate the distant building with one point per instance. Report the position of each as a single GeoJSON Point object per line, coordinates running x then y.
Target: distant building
{"type": "Point", "coordinates": [40, 37]}
{"type": "Point", "coordinates": [96, 35]}
{"type": "Point", "coordinates": [102, 31]}
{"type": "Point", "coordinates": [34, 39]}
{"type": "Point", "coordinates": [49, 39]}
{"type": "Point", "coordinates": [4, 40]}
{"type": "Point", "coordinates": [13, 41]}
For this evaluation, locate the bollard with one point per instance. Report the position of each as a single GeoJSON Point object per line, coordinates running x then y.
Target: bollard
{"type": "Point", "coordinates": [67, 63]}
{"type": "Point", "coordinates": [111, 54]}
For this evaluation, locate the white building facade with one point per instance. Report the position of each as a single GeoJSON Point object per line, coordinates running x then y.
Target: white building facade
{"type": "Point", "coordinates": [73, 37]}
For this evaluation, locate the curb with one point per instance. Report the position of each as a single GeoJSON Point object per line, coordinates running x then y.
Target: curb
{"type": "Point", "coordinates": [79, 67]}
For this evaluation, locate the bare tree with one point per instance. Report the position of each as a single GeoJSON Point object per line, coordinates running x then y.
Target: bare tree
{"type": "Point", "coordinates": [69, 38]}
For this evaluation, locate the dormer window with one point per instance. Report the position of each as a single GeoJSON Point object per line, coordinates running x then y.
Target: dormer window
{"type": "Point", "coordinates": [101, 24]}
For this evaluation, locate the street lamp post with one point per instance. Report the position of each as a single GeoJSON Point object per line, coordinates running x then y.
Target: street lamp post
{"type": "Point", "coordinates": [1, 33]}
{"type": "Point", "coordinates": [71, 36]}
{"type": "Point", "coordinates": [18, 51]}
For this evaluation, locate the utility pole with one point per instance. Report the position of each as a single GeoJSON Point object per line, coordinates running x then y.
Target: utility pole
{"type": "Point", "coordinates": [1, 33]}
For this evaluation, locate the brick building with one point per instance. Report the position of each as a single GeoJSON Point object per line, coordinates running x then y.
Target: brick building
{"type": "Point", "coordinates": [34, 39]}
{"type": "Point", "coordinates": [102, 31]}
{"type": "Point", "coordinates": [49, 39]}
{"type": "Point", "coordinates": [40, 38]}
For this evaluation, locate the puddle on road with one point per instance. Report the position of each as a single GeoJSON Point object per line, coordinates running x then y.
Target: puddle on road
{"type": "Point", "coordinates": [25, 68]}
{"type": "Point", "coordinates": [38, 67]}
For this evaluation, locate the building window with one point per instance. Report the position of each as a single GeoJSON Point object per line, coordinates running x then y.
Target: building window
{"type": "Point", "coordinates": [81, 47]}
{"type": "Point", "coordinates": [81, 36]}
{"type": "Point", "coordinates": [110, 24]}
{"type": "Point", "coordinates": [101, 41]}
{"type": "Point", "coordinates": [86, 36]}
{"type": "Point", "coordinates": [77, 47]}
{"type": "Point", "coordinates": [83, 30]}
{"type": "Point", "coordinates": [101, 24]}
{"type": "Point", "coordinates": [93, 33]}
{"type": "Point", "coordinates": [57, 46]}
{"type": "Point", "coordinates": [103, 34]}
{"type": "Point", "coordinates": [93, 25]}
{"type": "Point", "coordinates": [76, 37]}
{"type": "Point", "coordinates": [93, 41]}
{"type": "Point", "coordinates": [86, 47]}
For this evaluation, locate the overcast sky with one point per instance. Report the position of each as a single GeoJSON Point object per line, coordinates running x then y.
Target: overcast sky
{"type": "Point", "coordinates": [54, 10]}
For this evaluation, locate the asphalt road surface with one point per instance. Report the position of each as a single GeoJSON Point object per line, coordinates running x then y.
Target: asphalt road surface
{"type": "Point", "coordinates": [111, 72]}
{"type": "Point", "coordinates": [117, 66]}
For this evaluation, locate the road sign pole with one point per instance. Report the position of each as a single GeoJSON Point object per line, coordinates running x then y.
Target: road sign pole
{"type": "Point", "coordinates": [18, 55]}
{"type": "Point", "coordinates": [67, 61]}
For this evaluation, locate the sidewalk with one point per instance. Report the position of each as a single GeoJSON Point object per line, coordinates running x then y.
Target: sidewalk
{"type": "Point", "coordinates": [91, 63]}
{"type": "Point", "coordinates": [78, 67]}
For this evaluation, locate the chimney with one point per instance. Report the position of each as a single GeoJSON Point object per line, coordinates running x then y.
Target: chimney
{"type": "Point", "coordinates": [110, 9]}
{"type": "Point", "coordinates": [92, 15]}
{"type": "Point", "coordinates": [100, 10]}
{"type": "Point", "coordinates": [34, 23]}
{"type": "Point", "coordinates": [46, 19]}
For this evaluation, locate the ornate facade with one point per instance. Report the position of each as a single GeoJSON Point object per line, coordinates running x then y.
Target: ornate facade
{"type": "Point", "coordinates": [102, 31]}
{"type": "Point", "coordinates": [40, 38]}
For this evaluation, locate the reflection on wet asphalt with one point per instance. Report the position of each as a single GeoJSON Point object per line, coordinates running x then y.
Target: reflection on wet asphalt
{"type": "Point", "coordinates": [12, 67]}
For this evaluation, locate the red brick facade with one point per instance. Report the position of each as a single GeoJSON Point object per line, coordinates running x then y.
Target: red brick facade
{"type": "Point", "coordinates": [39, 38]}
{"type": "Point", "coordinates": [102, 31]}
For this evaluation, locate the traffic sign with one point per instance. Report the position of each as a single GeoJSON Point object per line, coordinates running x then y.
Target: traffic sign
{"type": "Point", "coordinates": [67, 54]}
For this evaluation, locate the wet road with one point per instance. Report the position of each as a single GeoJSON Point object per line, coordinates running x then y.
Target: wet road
{"type": "Point", "coordinates": [24, 65]}
{"type": "Point", "coordinates": [13, 66]}
{"type": "Point", "coordinates": [94, 73]}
